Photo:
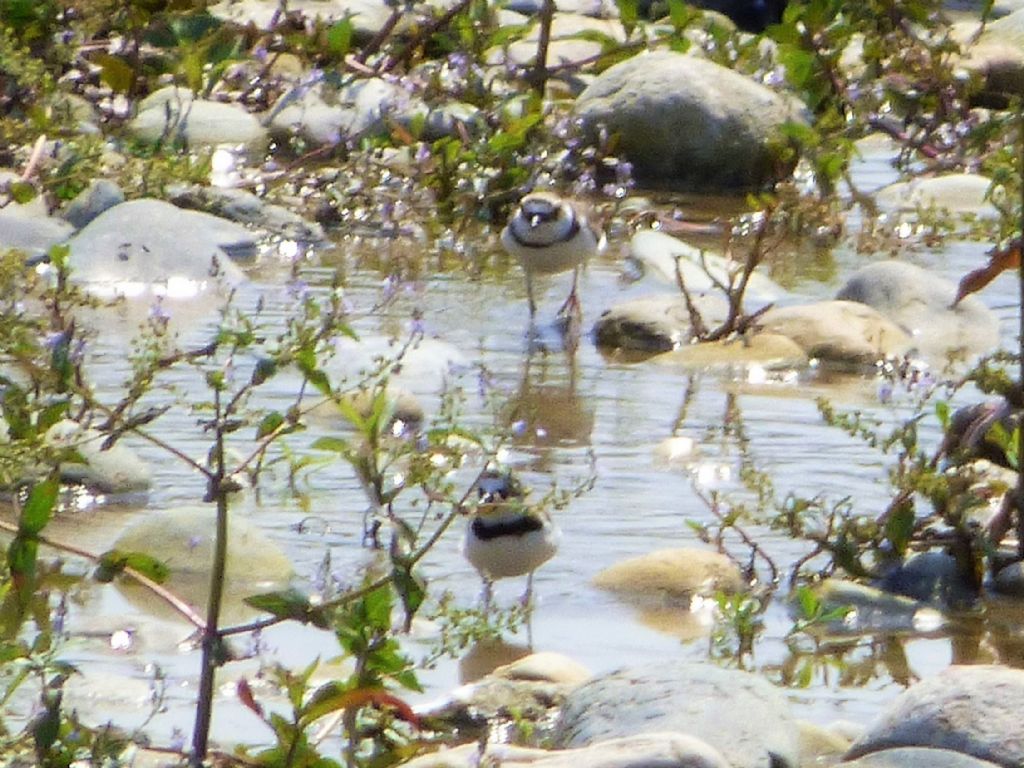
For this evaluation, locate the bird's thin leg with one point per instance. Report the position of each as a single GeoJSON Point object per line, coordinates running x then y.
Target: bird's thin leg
{"type": "Point", "coordinates": [572, 301]}
{"type": "Point", "coordinates": [529, 294]}
{"type": "Point", "coordinates": [486, 594]}
{"type": "Point", "coordinates": [527, 598]}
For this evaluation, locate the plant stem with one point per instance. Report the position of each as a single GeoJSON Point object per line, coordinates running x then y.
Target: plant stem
{"type": "Point", "coordinates": [211, 645]}
{"type": "Point", "coordinates": [1019, 490]}
{"type": "Point", "coordinates": [540, 67]}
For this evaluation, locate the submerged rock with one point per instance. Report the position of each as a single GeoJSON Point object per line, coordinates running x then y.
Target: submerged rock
{"type": "Point", "coordinates": [921, 302]}
{"type": "Point", "coordinates": [770, 351]}
{"type": "Point", "coordinates": [183, 539]}
{"type": "Point", "coordinates": [959, 194]}
{"type": "Point", "coordinates": [738, 713]}
{"type": "Point", "coordinates": [932, 577]}
{"type": "Point", "coordinates": [871, 609]}
{"type": "Point", "coordinates": [843, 332]}
{"type": "Point", "coordinates": [673, 574]}
{"type": "Point", "coordinates": [545, 666]}
{"type": "Point", "coordinates": [687, 122]}
{"type": "Point", "coordinates": [115, 470]}
{"type": "Point", "coordinates": [973, 710]}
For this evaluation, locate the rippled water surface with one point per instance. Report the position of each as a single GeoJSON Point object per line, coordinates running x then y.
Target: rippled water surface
{"type": "Point", "coordinates": [587, 405]}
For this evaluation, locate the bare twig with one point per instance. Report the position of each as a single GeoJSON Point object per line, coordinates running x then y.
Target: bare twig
{"type": "Point", "coordinates": [164, 594]}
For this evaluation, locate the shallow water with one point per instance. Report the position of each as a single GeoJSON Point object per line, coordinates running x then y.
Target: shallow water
{"type": "Point", "coordinates": [587, 405]}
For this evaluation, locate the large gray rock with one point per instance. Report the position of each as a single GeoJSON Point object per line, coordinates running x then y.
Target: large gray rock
{"type": "Point", "coordinates": [996, 56]}
{"type": "Point", "coordinates": [740, 714]}
{"type": "Point", "coordinates": [970, 709]}
{"type": "Point", "coordinates": [687, 122]}
{"type": "Point", "coordinates": [136, 246]}
{"type": "Point", "coordinates": [174, 114]}
{"type": "Point", "coordinates": [842, 332]}
{"type": "Point", "coordinates": [921, 302]}
{"type": "Point", "coordinates": [654, 750]}
{"type": "Point", "coordinates": [917, 757]}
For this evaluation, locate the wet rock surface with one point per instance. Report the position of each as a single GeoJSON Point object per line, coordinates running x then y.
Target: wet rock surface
{"type": "Point", "coordinates": [741, 715]}
{"type": "Point", "coordinates": [842, 332]}
{"type": "Point", "coordinates": [922, 303]}
{"type": "Point", "coordinates": [967, 709]}
{"type": "Point", "coordinates": [917, 757]}
{"type": "Point", "coordinates": [150, 241]}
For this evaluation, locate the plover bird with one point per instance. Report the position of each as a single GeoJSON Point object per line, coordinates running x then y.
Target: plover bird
{"type": "Point", "coordinates": [506, 537]}
{"type": "Point", "coordinates": [549, 235]}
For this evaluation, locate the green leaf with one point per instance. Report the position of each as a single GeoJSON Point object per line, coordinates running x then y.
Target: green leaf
{"type": "Point", "coordinates": [113, 563]}
{"type": "Point", "coordinates": [270, 423]}
{"type": "Point", "coordinates": [265, 369]}
{"type": "Point", "coordinates": [809, 603]}
{"type": "Point", "coordinates": [115, 73]}
{"type": "Point", "coordinates": [289, 604]}
{"type": "Point", "coordinates": [943, 413]}
{"type": "Point", "coordinates": [629, 14]}
{"type": "Point", "coordinates": [21, 192]}
{"type": "Point", "coordinates": [195, 27]}
{"type": "Point", "coordinates": [899, 527]}
{"type": "Point", "coordinates": [38, 509]}
{"type": "Point", "coordinates": [21, 557]}
{"type": "Point", "coordinates": [333, 444]}
{"type": "Point", "coordinates": [339, 38]}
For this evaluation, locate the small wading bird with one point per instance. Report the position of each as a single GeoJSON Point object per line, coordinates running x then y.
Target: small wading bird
{"type": "Point", "coordinates": [549, 235]}
{"type": "Point", "coordinates": [506, 537]}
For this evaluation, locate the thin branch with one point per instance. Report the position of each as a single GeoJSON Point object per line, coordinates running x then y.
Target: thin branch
{"type": "Point", "coordinates": [168, 597]}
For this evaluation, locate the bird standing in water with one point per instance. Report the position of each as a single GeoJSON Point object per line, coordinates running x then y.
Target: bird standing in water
{"type": "Point", "coordinates": [506, 537]}
{"type": "Point", "coordinates": [548, 235]}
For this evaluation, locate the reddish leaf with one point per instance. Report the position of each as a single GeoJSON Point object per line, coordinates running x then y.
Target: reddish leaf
{"type": "Point", "coordinates": [245, 696]}
{"type": "Point", "coordinates": [332, 697]}
{"type": "Point", "coordinates": [1000, 260]}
